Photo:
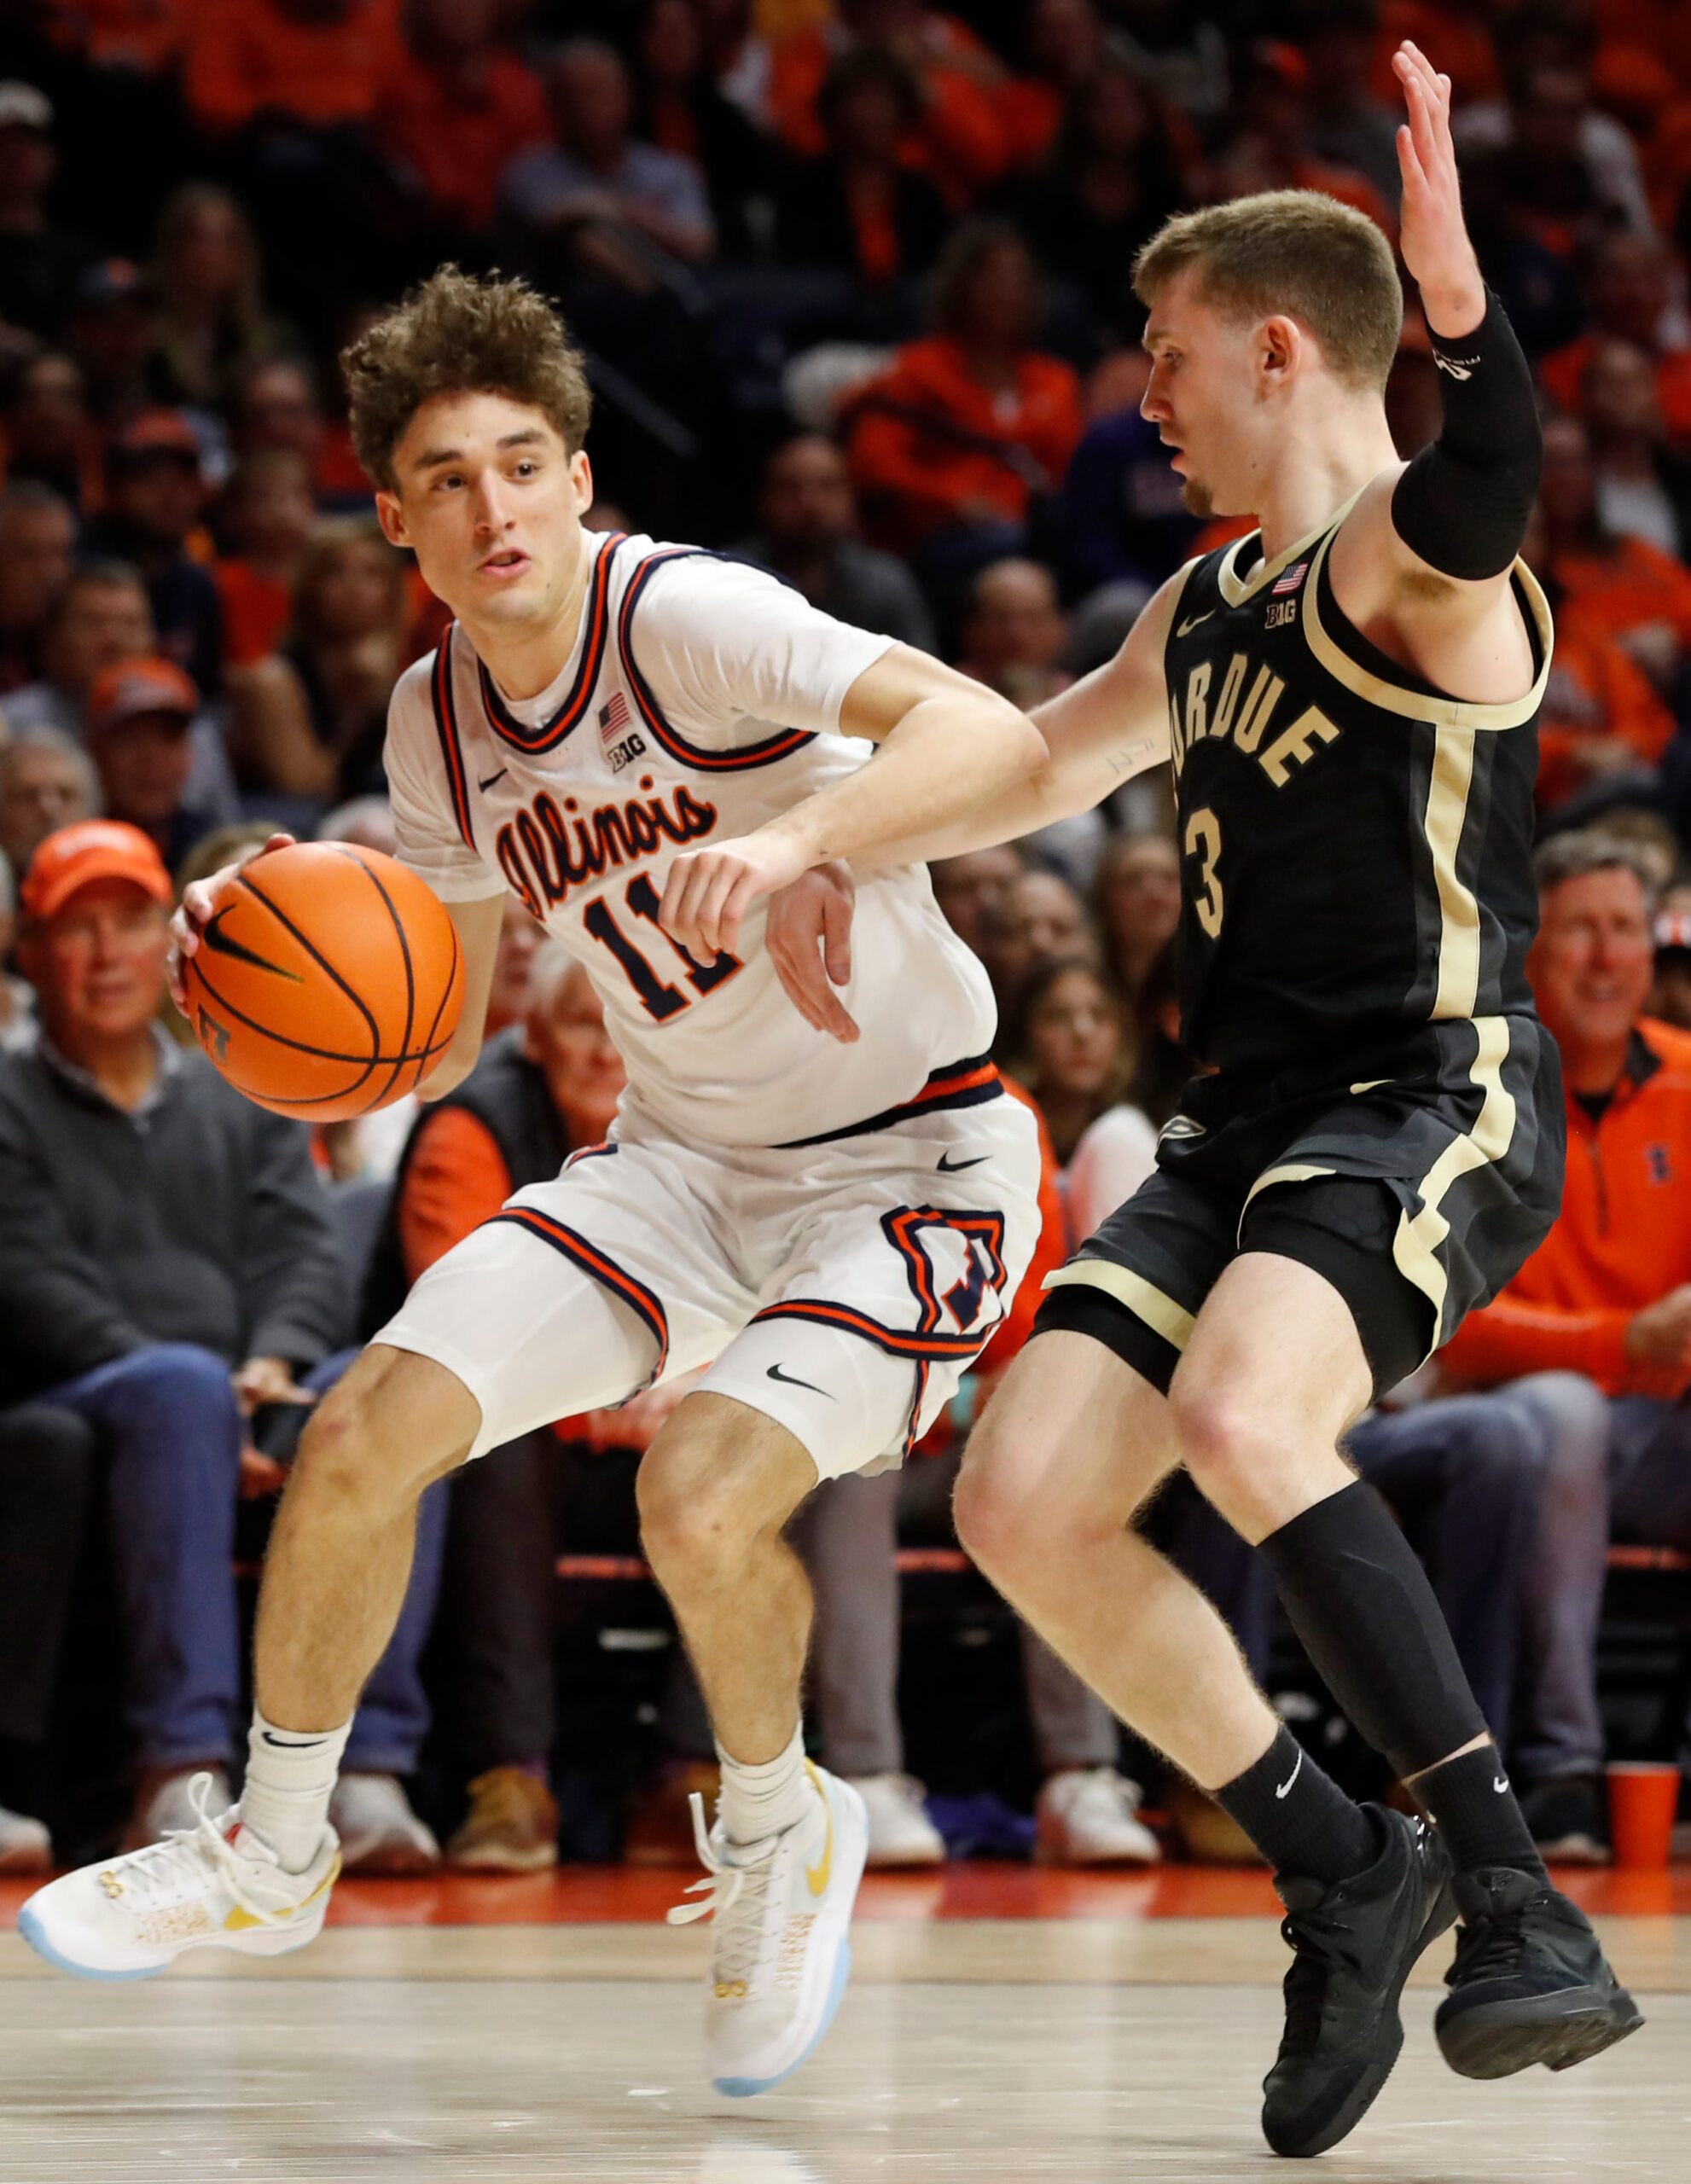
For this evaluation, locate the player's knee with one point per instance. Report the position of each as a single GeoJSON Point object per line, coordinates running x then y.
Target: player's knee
{"type": "Point", "coordinates": [1229, 1441]}
{"type": "Point", "coordinates": [694, 1510]}
{"type": "Point", "coordinates": [1009, 1519]}
{"type": "Point", "coordinates": [354, 1448]}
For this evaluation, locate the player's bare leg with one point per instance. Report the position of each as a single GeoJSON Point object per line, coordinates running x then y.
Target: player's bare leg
{"type": "Point", "coordinates": [782, 1862]}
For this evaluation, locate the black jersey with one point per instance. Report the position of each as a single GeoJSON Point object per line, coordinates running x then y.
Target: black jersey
{"type": "Point", "coordinates": [1357, 847]}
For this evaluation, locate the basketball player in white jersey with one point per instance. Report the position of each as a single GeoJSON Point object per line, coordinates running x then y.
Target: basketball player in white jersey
{"type": "Point", "coordinates": [833, 1230]}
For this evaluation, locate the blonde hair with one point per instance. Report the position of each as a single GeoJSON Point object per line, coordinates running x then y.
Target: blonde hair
{"type": "Point", "coordinates": [1295, 251]}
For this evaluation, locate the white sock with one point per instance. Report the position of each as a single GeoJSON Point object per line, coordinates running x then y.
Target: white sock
{"type": "Point", "coordinates": [290, 1778]}
{"type": "Point", "coordinates": [760, 1801]}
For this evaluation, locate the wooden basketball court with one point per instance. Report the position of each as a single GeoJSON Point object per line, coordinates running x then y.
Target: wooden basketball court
{"type": "Point", "coordinates": [1003, 2025]}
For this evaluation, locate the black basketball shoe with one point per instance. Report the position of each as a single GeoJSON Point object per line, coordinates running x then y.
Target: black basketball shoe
{"type": "Point", "coordinates": [1353, 1944]}
{"type": "Point", "coordinates": [1530, 1984]}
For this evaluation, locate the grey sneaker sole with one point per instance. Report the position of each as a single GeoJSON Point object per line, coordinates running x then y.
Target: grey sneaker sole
{"type": "Point", "coordinates": [1494, 2040]}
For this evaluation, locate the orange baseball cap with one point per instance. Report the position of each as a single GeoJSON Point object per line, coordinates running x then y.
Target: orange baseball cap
{"type": "Point", "coordinates": [95, 849]}
{"type": "Point", "coordinates": [139, 686]}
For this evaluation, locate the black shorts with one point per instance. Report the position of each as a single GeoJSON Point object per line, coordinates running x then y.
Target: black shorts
{"type": "Point", "coordinates": [1417, 1190]}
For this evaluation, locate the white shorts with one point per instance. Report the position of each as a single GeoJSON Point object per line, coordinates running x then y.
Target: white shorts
{"type": "Point", "coordinates": [842, 1288]}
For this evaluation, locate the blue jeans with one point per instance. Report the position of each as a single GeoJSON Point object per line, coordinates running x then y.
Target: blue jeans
{"type": "Point", "coordinates": [171, 1434]}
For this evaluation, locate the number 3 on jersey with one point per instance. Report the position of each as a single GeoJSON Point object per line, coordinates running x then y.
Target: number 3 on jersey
{"type": "Point", "coordinates": [660, 1001]}
{"type": "Point", "coordinates": [1203, 841]}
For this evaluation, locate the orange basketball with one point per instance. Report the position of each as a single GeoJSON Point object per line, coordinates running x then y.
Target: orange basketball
{"type": "Point", "coordinates": [329, 981]}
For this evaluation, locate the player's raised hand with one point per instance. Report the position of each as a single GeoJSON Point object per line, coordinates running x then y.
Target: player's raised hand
{"type": "Point", "coordinates": [809, 937]}
{"type": "Point", "coordinates": [1433, 234]}
{"type": "Point", "coordinates": [201, 901]}
{"type": "Point", "coordinates": [709, 890]}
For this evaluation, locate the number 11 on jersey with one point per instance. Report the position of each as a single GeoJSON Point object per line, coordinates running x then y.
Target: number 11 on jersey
{"type": "Point", "coordinates": [658, 1000]}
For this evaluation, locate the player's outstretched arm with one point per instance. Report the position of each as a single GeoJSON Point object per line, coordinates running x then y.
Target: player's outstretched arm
{"type": "Point", "coordinates": [478, 928]}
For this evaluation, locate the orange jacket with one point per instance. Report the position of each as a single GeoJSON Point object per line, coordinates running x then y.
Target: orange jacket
{"type": "Point", "coordinates": [1636, 584]}
{"type": "Point", "coordinates": [1623, 1239]}
{"type": "Point", "coordinates": [1595, 690]}
{"type": "Point", "coordinates": [1561, 371]}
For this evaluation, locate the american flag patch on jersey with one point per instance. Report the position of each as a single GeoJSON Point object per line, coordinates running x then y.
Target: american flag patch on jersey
{"type": "Point", "coordinates": [614, 719]}
{"type": "Point", "coordinates": [1290, 582]}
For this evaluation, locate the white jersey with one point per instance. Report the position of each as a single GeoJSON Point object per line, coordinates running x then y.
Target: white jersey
{"type": "Point", "coordinates": [701, 698]}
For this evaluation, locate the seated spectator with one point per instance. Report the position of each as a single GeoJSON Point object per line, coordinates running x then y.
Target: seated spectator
{"type": "Point", "coordinates": [679, 107]}
{"type": "Point", "coordinates": [140, 717]}
{"type": "Point", "coordinates": [1117, 1149]}
{"type": "Point", "coordinates": [109, 333]}
{"type": "Point", "coordinates": [310, 722]}
{"type": "Point", "coordinates": [860, 203]}
{"type": "Point", "coordinates": [1119, 518]}
{"type": "Point", "coordinates": [45, 430]}
{"type": "Point", "coordinates": [1037, 916]}
{"type": "Point", "coordinates": [17, 999]}
{"type": "Point", "coordinates": [1113, 177]}
{"type": "Point", "coordinates": [1643, 487]}
{"type": "Point", "coordinates": [319, 62]}
{"type": "Point", "coordinates": [101, 615]}
{"type": "Point", "coordinates": [621, 209]}
{"type": "Point", "coordinates": [539, 1092]}
{"type": "Point", "coordinates": [1267, 144]}
{"type": "Point", "coordinates": [1014, 631]}
{"type": "Point", "coordinates": [1066, 1046]}
{"type": "Point", "coordinates": [277, 405]}
{"type": "Point", "coordinates": [1551, 149]}
{"type": "Point", "coordinates": [457, 107]}
{"type": "Point", "coordinates": [1137, 902]}
{"type": "Point", "coordinates": [1630, 281]}
{"type": "Point", "coordinates": [47, 781]}
{"type": "Point", "coordinates": [951, 445]}
{"type": "Point", "coordinates": [37, 536]}
{"type": "Point", "coordinates": [166, 1268]}
{"type": "Point", "coordinates": [964, 886]}
{"type": "Point", "coordinates": [1593, 1336]}
{"type": "Point", "coordinates": [210, 322]}
{"type": "Point", "coordinates": [1348, 125]}
{"type": "Point", "coordinates": [1062, 46]}
{"type": "Point", "coordinates": [266, 517]}
{"type": "Point", "coordinates": [808, 533]}
{"type": "Point", "coordinates": [155, 502]}
{"type": "Point", "coordinates": [39, 262]}
{"type": "Point", "coordinates": [368, 822]}
{"type": "Point", "coordinates": [1616, 587]}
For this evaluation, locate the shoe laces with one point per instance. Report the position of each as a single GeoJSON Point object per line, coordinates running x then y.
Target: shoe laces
{"type": "Point", "coordinates": [180, 1856]}
{"type": "Point", "coordinates": [1488, 1945]}
{"type": "Point", "coordinates": [1318, 1951]}
{"type": "Point", "coordinates": [728, 1889]}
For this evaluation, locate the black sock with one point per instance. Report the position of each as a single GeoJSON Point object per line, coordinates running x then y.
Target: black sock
{"type": "Point", "coordinates": [1298, 1816]}
{"type": "Point", "coordinates": [1477, 1814]}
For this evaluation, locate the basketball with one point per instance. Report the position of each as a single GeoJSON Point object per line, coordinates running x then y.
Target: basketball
{"type": "Point", "coordinates": [327, 982]}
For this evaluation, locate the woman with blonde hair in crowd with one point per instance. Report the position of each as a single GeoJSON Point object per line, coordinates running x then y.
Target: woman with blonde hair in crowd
{"type": "Point", "coordinates": [212, 322]}
{"type": "Point", "coordinates": [1136, 904]}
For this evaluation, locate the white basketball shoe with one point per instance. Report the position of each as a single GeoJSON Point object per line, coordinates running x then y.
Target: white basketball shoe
{"type": "Point", "coordinates": [213, 1884]}
{"type": "Point", "coordinates": [780, 1957]}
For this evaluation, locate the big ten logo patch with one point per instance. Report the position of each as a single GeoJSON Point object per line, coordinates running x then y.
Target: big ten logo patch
{"type": "Point", "coordinates": [1658, 1163]}
{"type": "Point", "coordinates": [618, 738]}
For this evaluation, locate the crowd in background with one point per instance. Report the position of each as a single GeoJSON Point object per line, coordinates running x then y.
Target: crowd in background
{"type": "Point", "coordinates": [852, 278]}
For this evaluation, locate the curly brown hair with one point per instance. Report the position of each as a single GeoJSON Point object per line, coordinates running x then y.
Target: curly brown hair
{"type": "Point", "coordinates": [461, 332]}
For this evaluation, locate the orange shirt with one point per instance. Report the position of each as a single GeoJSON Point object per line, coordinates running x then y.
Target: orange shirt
{"type": "Point", "coordinates": [244, 58]}
{"type": "Point", "coordinates": [1623, 1239]}
{"type": "Point", "coordinates": [257, 610]}
{"type": "Point", "coordinates": [1595, 689]}
{"type": "Point", "coordinates": [1607, 595]}
{"type": "Point", "coordinates": [960, 140]}
{"type": "Point", "coordinates": [914, 476]}
{"type": "Point", "coordinates": [456, 1179]}
{"type": "Point", "coordinates": [458, 152]}
{"type": "Point", "coordinates": [1561, 374]}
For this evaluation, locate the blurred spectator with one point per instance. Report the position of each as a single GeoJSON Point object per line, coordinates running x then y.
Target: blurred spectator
{"type": "Point", "coordinates": [1643, 487]}
{"type": "Point", "coordinates": [210, 322]}
{"type": "Point", "coordinates": [1065, 1044]}
{"type": "Point", "coordinates": [101, 617]}
{"type": "Point", "coordinates": [1119, 518]}
{"type": "Point", "coordinates": [959, 140]}
{"type": "Point", "coordinates": [266, 516]}
{"type": "Point", "coordinates": [1268, 144]}
{"type": "Point", "coordinates": [1670, 1000]}
{"type": "Point", "coordinates": [320, 63]}
{"type": "Point", "coordinates": [45, 431]}
{"type": "Point", "coordinates": [680, 109]}
{"type": "Point", "coordinates": [808, 534]}
{"type": "Point", "coordinates": [37, 535]}
{"type": "Point", "coordinates": [46, 783]}
{"type": "Point", "coordinates": [1593, 1333]}
{"type": "Point", "coordinates": [969, 887]}
{"type": "Point", "coordinates": [950, 446]}
{"type": "Point", "coordinates": [1348, 125]}
{"type": "Point", "coordinates": [109, 332]}
{"type": "Point", "coordinates": [860, 203]}
{"type": "Point", "coordinates": [277, 405]}
{"type": "Point", "coordinates": [1630, 281]}
{"type": "Point", "coordinates": [156, 499]}
{"type": "Point", "coordinates": [1013, 630]}
{"type": "Point", "coordinates": [1181, 52]}
{"type": "Point", "coordinates": [17, 999]}
{"type": "Point", "coordinates": [457, 107]}
{"type": "Point", "coordinates": [1117, 1149]}
{"type": "Point", "coordinates": [367, 822]}
{"type": "Point", "coordinates": [1136, 900]}
{"type": "Point", "coordinates": [165, 1265]}
{"type": "Point", "coordinates": [1111, 178]}
{"type": "Point", "coordinates": [140, 714]}
{"type": "Point", "coordinates": [1551, 149]}
{"type": "Point", "coordinates": [1037, 916]}
{"type": "Point", "coordinates": [39, 262]}
{"type": "Point", "coordinates": [1621, 588]}
{"type": "Point", "coordinates": [310, 721]}
{"type": "Point", "coordinates": [1062, 48]}
{"type": "Point", "coordinates": [619, 208]}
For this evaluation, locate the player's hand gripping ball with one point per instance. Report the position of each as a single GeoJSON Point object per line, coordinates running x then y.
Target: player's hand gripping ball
{"type": "Point", "coordinates": [327, 982]}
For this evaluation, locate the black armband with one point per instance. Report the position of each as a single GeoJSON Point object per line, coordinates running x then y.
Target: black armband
{"type": "Point", "coordinates": [1462, 504]}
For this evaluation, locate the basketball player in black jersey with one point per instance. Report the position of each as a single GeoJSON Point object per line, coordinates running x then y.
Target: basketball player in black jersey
{"type": "Point", "coordinates": [1349, 697]}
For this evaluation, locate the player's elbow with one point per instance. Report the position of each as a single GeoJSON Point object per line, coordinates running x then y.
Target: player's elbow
{"type": "Point", "coordinates": [1022, 744]}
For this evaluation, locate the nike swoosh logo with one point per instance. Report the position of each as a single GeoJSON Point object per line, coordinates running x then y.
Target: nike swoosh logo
{"type": "Point", "coordinates": [790, 1380]}
{"type": "Point", "coordinates": [1501, 1784]}
{"type": "Point", "coordinates": [221, 943]}
{"type": "Point", "coordinates": [1282, 1788]}
{"type": "Point", "coordinates": [819, 1876]}
{"type": "Point", "coordinates": [239, 1920]}
{"type": "Point", "coordinates": [484, 786]}
{"type": "Point", "coordinates": [1192, 620]}
{"type": "Point", "coordinates": [293, 1744]}
{"type": "Point", "coordinates": [948, 1166]}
